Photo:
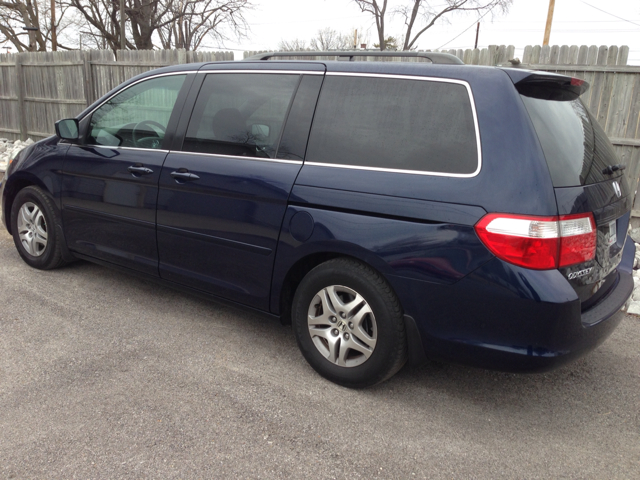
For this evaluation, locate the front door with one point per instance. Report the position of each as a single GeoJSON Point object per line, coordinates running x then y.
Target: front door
{"type": "Point", "coordinates": [110, 179]}
{"type": "Point", "coordinates": [223, 196]}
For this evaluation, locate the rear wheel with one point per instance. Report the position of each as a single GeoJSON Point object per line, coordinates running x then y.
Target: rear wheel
{"type": "Point", "coordinates": [35, 229]}
{"type": "Point", "coordinates": [349, 324]}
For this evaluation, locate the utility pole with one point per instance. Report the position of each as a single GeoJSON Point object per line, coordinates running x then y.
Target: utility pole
{"type": "Point", "coordinates": [181, 27]}
{"type": "Point", "coordinates": [547, 30]}
{"type": "Point", "coordinates": [54, 37]}
{"type": "Point", "coordinates": [123, 39]}
{"type": "Point", "coordinates": [477, 35]}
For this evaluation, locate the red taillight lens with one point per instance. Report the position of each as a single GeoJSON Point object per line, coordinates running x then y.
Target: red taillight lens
{"type": "Point", "coordinates": [578, 238]}
{"type": "Point", "coordinates": [540, 243]}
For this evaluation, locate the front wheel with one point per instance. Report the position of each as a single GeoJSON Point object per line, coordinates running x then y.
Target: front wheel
{"type": "Point", "coordinates": [349, 324]}
{"type": "Point", "coordinates": [35, 230]}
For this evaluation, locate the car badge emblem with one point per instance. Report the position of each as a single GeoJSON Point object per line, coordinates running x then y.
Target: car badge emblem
{"type": "Point", "coordinates": [616, 188]}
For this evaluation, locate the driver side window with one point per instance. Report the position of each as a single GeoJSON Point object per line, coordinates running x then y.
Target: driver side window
{"type": "Point", "coordinates": [138, 116]}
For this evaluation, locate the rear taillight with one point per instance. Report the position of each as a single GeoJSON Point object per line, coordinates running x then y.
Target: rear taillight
{"type": "Point", "coordinates": [540, 243]}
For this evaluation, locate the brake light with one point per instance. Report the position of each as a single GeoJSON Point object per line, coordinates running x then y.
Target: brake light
{"type": "Point", "coordinates": [540, 243]}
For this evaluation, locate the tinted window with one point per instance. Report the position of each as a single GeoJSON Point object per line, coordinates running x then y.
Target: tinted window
{"type": "Point", "coordinates": [240, 114]}
{"type": "Point", "coordinates": [296, 133]}
{"type": "Point", "coordinates": [575, 146]}
{"type": "Point", "coordinates": [391, 123]}
{"type": "Point", "coordinates": [138, 116]}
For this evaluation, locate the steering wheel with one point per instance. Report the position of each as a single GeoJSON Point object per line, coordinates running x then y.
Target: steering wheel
{"type": "Point", "coordinates": [140, 133]}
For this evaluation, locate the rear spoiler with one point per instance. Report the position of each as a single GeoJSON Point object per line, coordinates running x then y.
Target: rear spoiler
{"type": "Point", "coordinates": [547, 86]}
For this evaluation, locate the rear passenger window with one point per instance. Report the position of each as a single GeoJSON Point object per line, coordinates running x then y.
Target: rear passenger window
{"type": "Point", "coordinates": [419, 125]}
{"type": "Point", "coordinates": [240, 114]}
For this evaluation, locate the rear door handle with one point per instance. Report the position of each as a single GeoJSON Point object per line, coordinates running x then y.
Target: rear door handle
{"type": "Point", "coordinates": [139, 170]}
{"type": "Point", "coordinates": [184, 175]}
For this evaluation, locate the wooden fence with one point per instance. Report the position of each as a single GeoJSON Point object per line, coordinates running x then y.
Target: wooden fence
{"type": "Point", "coordinates": [37, 89]}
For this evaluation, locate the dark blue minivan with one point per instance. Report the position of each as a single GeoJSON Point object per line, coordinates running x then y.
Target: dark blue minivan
{"type": "Point", "coordinates": [390, 211]}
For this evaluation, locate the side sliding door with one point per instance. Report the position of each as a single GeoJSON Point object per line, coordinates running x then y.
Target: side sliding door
{"type": "Point", "coordinates": [223, 193]}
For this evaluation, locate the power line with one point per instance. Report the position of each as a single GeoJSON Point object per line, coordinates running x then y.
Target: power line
{"type": "Point", "coordinates": [470, 26]}
{"type": "Point", "coordinates": [563, 30]}
{"type": "Point", "coordinates": [563, 21]}
{"type": "Point", "coordinates": [603, 11]}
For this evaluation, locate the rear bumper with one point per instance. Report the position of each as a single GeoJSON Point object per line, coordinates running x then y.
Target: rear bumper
{"type": "Point", "coordinates": [507, 318]}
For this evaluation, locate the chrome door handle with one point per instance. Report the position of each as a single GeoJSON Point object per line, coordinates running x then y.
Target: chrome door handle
{"type": "Point", "coordinates": [139, 170]}
{"type": "Point", "coordinates": [184, 175]}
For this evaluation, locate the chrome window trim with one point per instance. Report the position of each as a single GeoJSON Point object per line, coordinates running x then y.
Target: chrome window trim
{"type": "Point", "coordinates": [120, 148]}
{"type": "Point", "coordinates": [414, 172]}
{"type": "Point", "coordinates": [259, 159]}
{"type": "Point", "coordinates": [276, 160]}
{"type": "Point", "coordinates": [150, 77]}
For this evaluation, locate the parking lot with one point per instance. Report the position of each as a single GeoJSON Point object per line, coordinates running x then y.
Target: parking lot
{"type": "Point", "coordinates": [103, 375]}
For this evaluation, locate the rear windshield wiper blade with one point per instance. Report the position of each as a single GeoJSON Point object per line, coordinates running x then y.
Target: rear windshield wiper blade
{"type": "Point", "coordinates": [613, 168]}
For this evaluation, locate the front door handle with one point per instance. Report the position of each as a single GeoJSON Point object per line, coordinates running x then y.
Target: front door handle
{"type": "Point", "coordinates": [183, 175]}
{"type": "Point", "coordinates": [139, 170]}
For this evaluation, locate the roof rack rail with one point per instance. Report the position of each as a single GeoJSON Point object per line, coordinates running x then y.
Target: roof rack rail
{"type": "Point", "coordinates": [439, 58]}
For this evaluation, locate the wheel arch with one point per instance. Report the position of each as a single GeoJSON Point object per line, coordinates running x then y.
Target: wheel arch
{"type": "Point", "coordinates": [11, 192]}
{"type": "Point", "coordinates": [304, 265]}
{"type": "Point", "coordinates": [14, 185]}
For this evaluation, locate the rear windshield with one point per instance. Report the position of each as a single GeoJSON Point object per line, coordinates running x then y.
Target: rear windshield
{"type": "Point", "coordinates": [576, 148]}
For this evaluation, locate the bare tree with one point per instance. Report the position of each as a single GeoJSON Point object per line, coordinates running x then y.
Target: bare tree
{"type": "Point", "coordinates": [195, 21]}
{"type": "Point", "coordinates": [33, 14]}
{"type": "Point", "coordinates": [325, 39]}
{"type": "Point", "coordinates": [377, 8]}
{"type": "Point", "coordinates": [178, 23]}
{"type": "Point", "coordinates": [102, 19]}
{"type": "Point", "coordinates": [295, 45]}
{"type": "Point", "coordinates": [420, 15]}
{"type": "Point", "coordinates": [329, 39]}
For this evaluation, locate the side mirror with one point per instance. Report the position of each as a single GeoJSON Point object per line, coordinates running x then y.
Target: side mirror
{"type": "Point", "coordinates": [67, 129]}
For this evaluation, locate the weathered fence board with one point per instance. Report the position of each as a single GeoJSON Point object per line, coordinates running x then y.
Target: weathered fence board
{"type": "Point", "coordinates": [37, 89]}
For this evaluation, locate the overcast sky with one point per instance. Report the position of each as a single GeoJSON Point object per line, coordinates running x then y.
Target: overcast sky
{"type": "Point", "coordinates": [575, 22]}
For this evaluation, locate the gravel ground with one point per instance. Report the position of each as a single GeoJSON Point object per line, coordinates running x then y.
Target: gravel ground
{"type": "Point", "coordinates": [103, 375]}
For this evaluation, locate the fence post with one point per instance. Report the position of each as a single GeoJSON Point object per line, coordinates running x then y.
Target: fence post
{"type": "Point", "coordinates": [88, 78]}
{"type": "Point", "coordinates": [20, 92]}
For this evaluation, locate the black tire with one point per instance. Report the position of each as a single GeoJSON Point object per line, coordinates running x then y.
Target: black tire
{"type": "Point", "coordinates": [343, 277]}
{"type": "Point", "coordinates": [43, 257]}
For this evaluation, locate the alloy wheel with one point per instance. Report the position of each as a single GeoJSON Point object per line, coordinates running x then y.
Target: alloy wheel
{"type": "Point", "coordinates": [342, 326]}
{"type": "Point", "coordinates": [32, 229]}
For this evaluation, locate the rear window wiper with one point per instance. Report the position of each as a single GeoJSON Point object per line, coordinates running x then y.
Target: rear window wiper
{"type": "Point", "coordinates": [613, 168]}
